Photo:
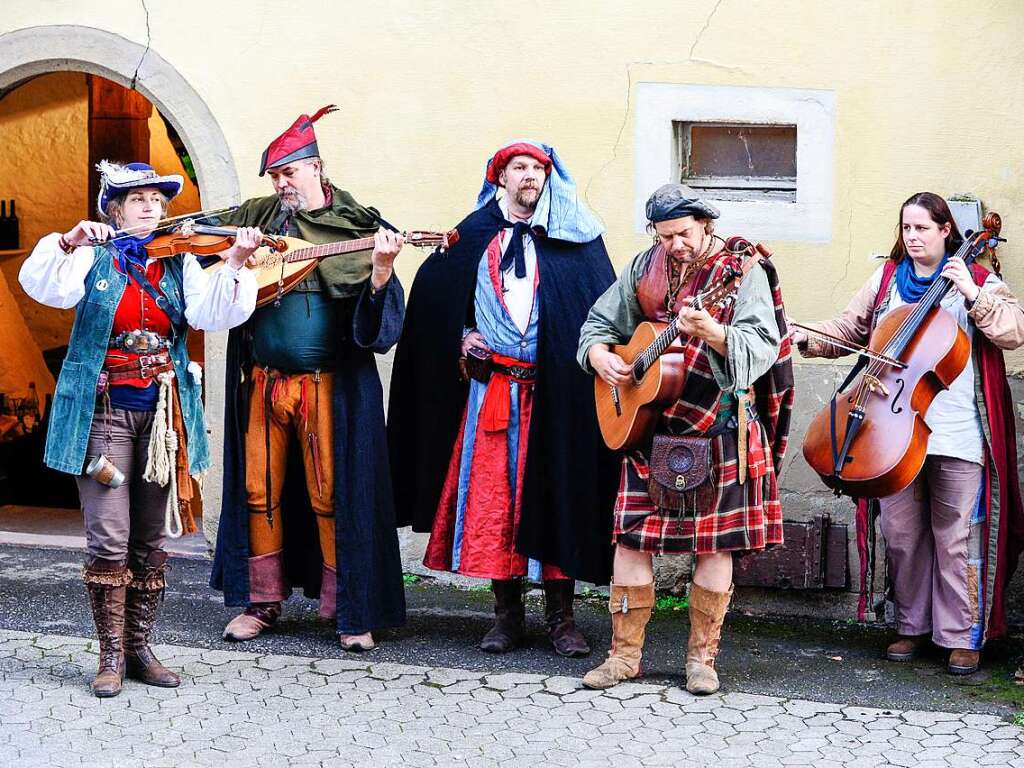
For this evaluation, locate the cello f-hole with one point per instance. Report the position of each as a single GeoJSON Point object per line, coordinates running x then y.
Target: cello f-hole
{"type": "Point", "coordinates": [900, 385]}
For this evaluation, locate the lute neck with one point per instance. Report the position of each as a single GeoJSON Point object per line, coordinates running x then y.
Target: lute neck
{"type": "Point", "coordinates": [329, 249]}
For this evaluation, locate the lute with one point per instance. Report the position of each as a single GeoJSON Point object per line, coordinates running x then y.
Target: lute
{"type": "Point", "coordinates": [278, 272]}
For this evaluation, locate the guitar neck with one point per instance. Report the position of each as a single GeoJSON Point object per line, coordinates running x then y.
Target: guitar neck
{"type": "Point", "coordinates": [664, 339]}
{"type": "Point", "coordinates": [329, 249]}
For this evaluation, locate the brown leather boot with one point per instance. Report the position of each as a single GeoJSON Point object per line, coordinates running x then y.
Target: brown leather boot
{"type": "Point", "coordinates": [964, 661]}
{"type": "Point", "coordinates": [509, 617]}
{"type": "Point", "coordinates": [143, 598]}
{"type": "Point", "coordinates": [631, 610]}
{"type": "Point", "coordinates": [906, 647]}
{"type": "Point", "coordinates": [106, 581]}
{"type": "Point", "coordinates": [562, 630]}
{"type": "Point", "coordinates": [707, 612]}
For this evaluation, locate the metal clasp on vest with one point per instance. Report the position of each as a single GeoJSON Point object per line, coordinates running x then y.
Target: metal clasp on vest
{"type": "Point", "coordinates": [680, 482]}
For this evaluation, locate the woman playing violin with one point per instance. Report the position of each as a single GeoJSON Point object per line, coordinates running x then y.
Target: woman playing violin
{"type": "Point", "coordinates": [937, 530]}
{"type": "Point", "coordinates": [127, 381]}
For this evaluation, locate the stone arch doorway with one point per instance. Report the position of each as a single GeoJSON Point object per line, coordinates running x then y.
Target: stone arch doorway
{"type": "Point", "coordinates": [32, 51]}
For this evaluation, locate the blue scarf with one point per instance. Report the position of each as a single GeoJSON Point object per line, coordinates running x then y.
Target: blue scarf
{"type": "Point", "coordinates": [132, 249]}
{"type": "Point", "coordinates": [910, 285]}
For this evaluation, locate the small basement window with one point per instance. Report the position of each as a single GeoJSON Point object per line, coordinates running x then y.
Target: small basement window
{"type": "Point", "coordinates": [737, 161]}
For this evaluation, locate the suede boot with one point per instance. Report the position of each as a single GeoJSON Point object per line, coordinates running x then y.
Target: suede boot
{"type": "Point", "coordinates": [143, 598]}
{"type": "Point", "coordinates": [707, 611]}
{"type": "Point", "coordinates": [631, 610]}
{"type": "Point", "coordinates": [562, 631]}
{"type": "Point", "coordinates": [107, 581]}
{"type": "Point", "coordinates": [509, 617]}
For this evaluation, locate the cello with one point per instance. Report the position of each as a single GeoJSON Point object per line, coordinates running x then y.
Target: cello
{"type": "Point", "coordinates": [871, 440]}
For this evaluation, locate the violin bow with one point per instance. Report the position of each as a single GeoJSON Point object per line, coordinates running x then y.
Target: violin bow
{"type": "Point", "coordinates": [849, 346]}
{"type": "Point", "coordinates": [171, 221]}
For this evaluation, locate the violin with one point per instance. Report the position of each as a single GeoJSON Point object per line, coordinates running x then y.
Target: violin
{"type": "Point", "coordinates": [202, 240]}
{"type": "Point", "coordinates": [871, 440]}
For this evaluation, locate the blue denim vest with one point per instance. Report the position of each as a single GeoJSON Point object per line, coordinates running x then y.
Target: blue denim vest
{"type": "Point", "coordinates": [74, 402]}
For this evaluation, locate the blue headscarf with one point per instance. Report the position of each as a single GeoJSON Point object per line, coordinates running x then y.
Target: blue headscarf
{"type": "Point", "coordinates": [910, 285]}
{"type": "Point", "coordinates": [559, 210]}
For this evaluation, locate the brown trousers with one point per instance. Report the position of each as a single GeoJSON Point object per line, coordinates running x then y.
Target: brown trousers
{"type": "Point", "coordinates": [282, 406]}
{"type": "Point", "coordinates": [931, 534]}
{"type": "Point", "coordinates": [127, 521]}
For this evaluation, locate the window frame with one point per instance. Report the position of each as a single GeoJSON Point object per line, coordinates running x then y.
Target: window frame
{"type": "Point", "coordinates": [813, 112]}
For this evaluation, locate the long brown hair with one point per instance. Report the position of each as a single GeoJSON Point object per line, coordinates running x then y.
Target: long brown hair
{"type": "Point", "coordinates": [939, 212]}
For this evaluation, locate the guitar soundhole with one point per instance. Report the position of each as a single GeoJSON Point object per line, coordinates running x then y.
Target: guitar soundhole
{"type": "Point", "coordinates": [680, 460]}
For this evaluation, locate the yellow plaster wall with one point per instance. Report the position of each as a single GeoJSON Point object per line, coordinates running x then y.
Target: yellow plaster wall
{"type": "Point", "coordinates": [43, 164]}
{"type": "Point", "coordinates": [928, 97]}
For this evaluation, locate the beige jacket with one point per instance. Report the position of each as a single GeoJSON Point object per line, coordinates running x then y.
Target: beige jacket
{"type": "Point", "coordinates": [996, 313]}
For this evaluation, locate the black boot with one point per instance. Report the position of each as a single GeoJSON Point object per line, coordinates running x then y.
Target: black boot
{"type": "Point", "coordinates": [106, 581]}
{"type": "Point", "coordinates": [143, 599]}
{"type": "Point", "coordinates": [562, 630]}
{"type": "Point", "coordinates": [509, 617]}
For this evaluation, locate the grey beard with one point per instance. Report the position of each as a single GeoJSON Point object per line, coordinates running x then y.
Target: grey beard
{"type": "Point", "coordinates": [294, 201]}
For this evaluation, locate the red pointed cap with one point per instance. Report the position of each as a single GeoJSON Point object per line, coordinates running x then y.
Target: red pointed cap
{"type": "Point", "coordinates": [297, 143]}
{"type": "Point", "coordinates": [506, 153]}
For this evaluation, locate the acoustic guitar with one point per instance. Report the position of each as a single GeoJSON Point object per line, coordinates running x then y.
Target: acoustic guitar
{"type": "Point", "coordinates": [278, 272]}
{"type": "Point", "coordinates": [628, 414]}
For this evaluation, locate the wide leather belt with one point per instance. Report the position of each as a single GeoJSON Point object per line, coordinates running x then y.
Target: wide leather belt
{"type": "Point", "coordinates": [523, 372]}
{"type": "Point", "coordinates": [139, 341]}
{"type": "Point", "coordinates": [730, 422]}
{"type": "Point", "coordinates": [143, 367]}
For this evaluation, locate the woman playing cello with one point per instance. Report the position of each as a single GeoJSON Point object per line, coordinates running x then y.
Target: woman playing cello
{"type": "Point", "coordinates": [964, 504]}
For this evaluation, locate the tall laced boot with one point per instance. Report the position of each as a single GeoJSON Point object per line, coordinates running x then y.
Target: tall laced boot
{"type": "Point", "coordinates": [106, 582]}
{"type": "Point", "coordinates": [562, 630]}
{"type": "Point", "coordinates": [143, 598]}
{"type": "Point", "coordinates": [707, 612]}
{"type": "Point", "coordinates": [509, 617]}
{"type": "Point", "coordinates": [630, 608]}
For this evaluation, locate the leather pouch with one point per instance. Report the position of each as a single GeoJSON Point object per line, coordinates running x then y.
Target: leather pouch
{"type": "Point", "coordinates": [680, 478]}
{"type": "Point", "coordinates": [476, 365]}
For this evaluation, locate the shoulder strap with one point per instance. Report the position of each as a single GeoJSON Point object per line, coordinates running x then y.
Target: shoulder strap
{"type": "Point", "coordinates": [136, 274]}
{"type": "Point", "coordinates": [888, 272]}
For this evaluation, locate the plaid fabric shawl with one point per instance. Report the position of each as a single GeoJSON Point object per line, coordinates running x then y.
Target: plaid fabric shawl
{"type": "Point", "coordinates": [739, 517]}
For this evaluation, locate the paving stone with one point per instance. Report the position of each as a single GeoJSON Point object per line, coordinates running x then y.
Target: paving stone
{"type": "Point", "coordinates": [263, 710]}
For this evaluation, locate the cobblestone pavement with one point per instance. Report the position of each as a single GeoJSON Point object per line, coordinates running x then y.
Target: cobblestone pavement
{"type": "Point", "coordinates": [271, 710]}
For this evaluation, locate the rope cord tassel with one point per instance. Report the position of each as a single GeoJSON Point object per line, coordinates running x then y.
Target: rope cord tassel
{"type": "Point", "coordinates": [163, 453]}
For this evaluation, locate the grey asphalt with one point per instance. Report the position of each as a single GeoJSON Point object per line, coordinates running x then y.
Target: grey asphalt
{"type": "Point", "coordinates": [838, 662]}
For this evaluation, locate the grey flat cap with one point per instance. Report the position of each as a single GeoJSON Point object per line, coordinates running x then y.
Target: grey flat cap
{"type": "Point", "coordinates": [674, 201]}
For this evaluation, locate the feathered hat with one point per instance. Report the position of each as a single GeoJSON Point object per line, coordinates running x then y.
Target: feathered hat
{"type": "Point", "coordinates": [297, 143]}
{"type": "Point", "coordinates": [117, 179]}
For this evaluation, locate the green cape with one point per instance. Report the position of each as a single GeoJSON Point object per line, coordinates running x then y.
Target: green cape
{"type": "Point", "coordinates": [340, 276]}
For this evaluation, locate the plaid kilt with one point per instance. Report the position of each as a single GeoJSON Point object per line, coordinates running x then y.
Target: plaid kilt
{"type": "Point", "coordinates": [736, 518]}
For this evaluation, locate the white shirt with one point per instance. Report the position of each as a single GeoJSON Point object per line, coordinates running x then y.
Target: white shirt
{"type": "Point", "coordinates": [214, 302]}
{"type": "Point", "coordinates": [519, 290]}
{"type": "Point", "coordinates": [953, 416]}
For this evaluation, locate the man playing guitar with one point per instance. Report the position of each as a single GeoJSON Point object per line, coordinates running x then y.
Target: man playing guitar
{"type": "Point", "coordinates": [706, 485]}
